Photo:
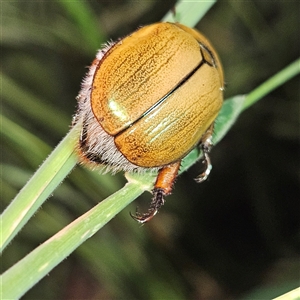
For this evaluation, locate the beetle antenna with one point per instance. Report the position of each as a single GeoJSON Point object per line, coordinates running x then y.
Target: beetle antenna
{"type": "Point", "coordinates": [157, 201]}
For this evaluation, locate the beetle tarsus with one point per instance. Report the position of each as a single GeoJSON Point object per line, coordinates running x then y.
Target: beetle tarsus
{"type": "Point", "coordinates": [206, 147]}
{"type": "Point", "coordinates": [208, 166]}
{"type": "Point", "coordinates": [157, 201]}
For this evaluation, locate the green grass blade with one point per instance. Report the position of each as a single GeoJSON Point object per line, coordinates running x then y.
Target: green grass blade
{"type": "Point", "coordinates": [28, 271]}
{"type": "Point", "coordinates": [292, 295]}
{"type": "Point", "coordinates": [274, 82]}
{"type": "Point", "coordinates": [52, 172]}
{"type": "Point", "coordinates": [189, 12]}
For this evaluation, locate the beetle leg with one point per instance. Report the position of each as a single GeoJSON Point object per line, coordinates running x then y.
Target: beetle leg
{"type": "Point", "coordinates": [163, 186]}
{"type": "Point", "coordinates": [206, 145]}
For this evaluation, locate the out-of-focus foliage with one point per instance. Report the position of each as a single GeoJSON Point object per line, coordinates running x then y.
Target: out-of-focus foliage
{"type": "Point", "coordinates": [233, 234]}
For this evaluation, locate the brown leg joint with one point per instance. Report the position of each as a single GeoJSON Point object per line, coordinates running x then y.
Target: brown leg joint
{"type": "Point", "coordinates": [163, 186]}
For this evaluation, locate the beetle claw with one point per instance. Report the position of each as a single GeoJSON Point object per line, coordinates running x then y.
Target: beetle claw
{"type": "Point", "coordinates": [208, 166]}
{"type": "Point", "coordinates": [157, 201]}
{"type": "Point", "coordinates": [206, 147]}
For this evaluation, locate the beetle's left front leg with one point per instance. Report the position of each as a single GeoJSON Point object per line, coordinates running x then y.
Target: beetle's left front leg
{"type": "Point", "coordinates": [163, 187]}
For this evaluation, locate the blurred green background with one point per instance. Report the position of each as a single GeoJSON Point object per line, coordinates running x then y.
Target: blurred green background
{"type": "Point", "coordinates": [234, 236]}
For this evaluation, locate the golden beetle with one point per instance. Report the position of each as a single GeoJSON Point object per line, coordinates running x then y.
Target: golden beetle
{"type": "Point", "coordinates": [147, 101]}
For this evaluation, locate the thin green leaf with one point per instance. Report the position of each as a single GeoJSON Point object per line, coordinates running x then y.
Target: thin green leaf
{"type": "Point", "coordinates": [188, 12]}
{"type": "Point", "coordinates": [292, 295]}
{"type": "Point", "coordinates": [52, 172]}
{"type": "Point", "coordinates": [274, 82]}
{"type": "Point", "coordinates": [288, 290]}
{"type": "Point", "coordinates": [22, 276]}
